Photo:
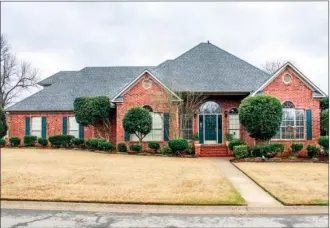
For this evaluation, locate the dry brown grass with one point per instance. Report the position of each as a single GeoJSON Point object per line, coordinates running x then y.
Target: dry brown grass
{"type": "Point", "coordinates": [71, 175]}
{"type": "Point", "coordinates": [292, 183]}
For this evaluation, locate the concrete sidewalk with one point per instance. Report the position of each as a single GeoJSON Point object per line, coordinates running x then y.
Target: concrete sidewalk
{"type": "Point", "coordinates": [162, 209]}
{"type": "Point", "coordinates": [250, 191]}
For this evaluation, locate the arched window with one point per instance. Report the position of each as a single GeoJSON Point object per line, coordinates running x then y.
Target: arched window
{"type": "Point", "coordinates": [210, 107]}
{"type": "Point", "coordinates": [234, 123]}
{"type": "Point", "coordinates": [292, 126]}
{"type": "Point", "coordinates": [288, 104]}
{"type": "Point", "coordinates": [148, 108]}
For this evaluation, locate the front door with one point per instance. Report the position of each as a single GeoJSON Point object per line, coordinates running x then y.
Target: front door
{"type": "Point", "coordinates": [210, 129]}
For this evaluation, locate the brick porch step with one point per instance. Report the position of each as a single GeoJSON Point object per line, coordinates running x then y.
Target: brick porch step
{"type": "Point", "coordinates": [212, 150]}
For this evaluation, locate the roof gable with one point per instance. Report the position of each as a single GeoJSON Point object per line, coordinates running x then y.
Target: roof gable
{"type": "Point", "coordinates": [317, 92]}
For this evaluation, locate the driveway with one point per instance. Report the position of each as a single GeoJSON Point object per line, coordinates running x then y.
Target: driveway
{"type": "Point", "coordinates": [15, 218]}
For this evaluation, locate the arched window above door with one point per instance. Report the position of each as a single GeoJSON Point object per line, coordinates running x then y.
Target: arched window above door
{"type": "Point", "coordinates": [233, 111]}
{"type": "Point", "coordinates": [210, 107]}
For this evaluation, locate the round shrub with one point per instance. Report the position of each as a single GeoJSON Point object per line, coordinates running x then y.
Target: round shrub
{"type": "Point", "coordinates": [178, 145]}
{"type": "Point", "coordinates": [165, 150]}
{"type": "Point", "coordinates": [61, 140]}
{"type": "Point", "coordinates": [258, 150]}
{"type": "Point", "coordinates": [104, 145]}
{"type": "Point", "coordinates": [311, 150]}
{"type": "Point", "coordinates": [135, 147]}
{"type": "Point", "coordinates": [121, 147]}
{"type": "Point", "coordinates": [93, 143]}
{"type": "Point", "coordinates": [296, 147]}
{"type": "Point", "coordinates": [14, 141]}
{"type": "Point", "coordinates": [235, 142]}
{"type": "Point", "coordinates": [154, 146]}
{"type": "Point", "coordinates": [77, 142]}
{"type": "Point", "coordinates": [261, 116]}
{"type": "Point", "coordinates": [323, 141]}
{"type": "Point", "coordinates": [2, 142]}
{"type": "Point", "coordinates": [275, 147]}
{"type": "Point", "coordinates": [43, 141]}
{"type": "Point", "coordinates": [30, 140]}
{"type": "Point", "coordinates": [241, 151]}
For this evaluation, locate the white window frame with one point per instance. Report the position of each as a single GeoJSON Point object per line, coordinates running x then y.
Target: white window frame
{"type": "Point", "coordinates": [231, 130]}
{"type": "Point", "coordinates": [35, 130]}
{"type": "Point", "coordinates": [74, 132]}
{"type": "Point", "coordinates": [150, 137]}
{"type": "Point", "coordinates": [184, 129]}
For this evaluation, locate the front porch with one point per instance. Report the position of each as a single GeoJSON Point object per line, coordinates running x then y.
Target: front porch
{"type": "Point", "coordinates": [212, 150]}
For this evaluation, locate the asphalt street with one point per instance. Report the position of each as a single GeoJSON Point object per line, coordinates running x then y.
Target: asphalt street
{"type": "Point", "coordinates": [15, 218]}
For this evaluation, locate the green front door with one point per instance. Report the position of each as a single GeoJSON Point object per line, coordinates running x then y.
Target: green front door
{"type": "Point", "coordinates": [210, 127]}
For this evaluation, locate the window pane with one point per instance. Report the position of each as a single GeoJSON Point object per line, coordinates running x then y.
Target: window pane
{"type": "Point", "coordinates": [234, 125]}
{"type": "Point", "coordinates": [156, 134]}
{"type": "Point", "coordinates": [187, 130]}
{"type": "Point", "coordinates": [36, 126]}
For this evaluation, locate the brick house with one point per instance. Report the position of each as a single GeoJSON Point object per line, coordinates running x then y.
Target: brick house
{"type": "Point", "coordinates": [219, 75]}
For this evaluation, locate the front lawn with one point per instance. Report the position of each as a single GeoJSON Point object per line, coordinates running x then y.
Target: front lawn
{"type": "Point", "coordinates": [74, 175]}
{"type": "Point", "coordinates": [291, 183]}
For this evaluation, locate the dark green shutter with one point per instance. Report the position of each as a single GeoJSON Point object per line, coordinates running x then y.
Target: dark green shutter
{"type": "Point", "coordinates": [201, 130]}
{"type": "Point", "coordinates": [166, 126]}
{"type": "Point", "coordinates": [81, 131]}
{"type": "Point", "coordinates": [27, 126]}
{"type": "Point", "coordinates": [219, 129]}
{"type": "Point", "coordinates": [126, 136]}
{"type": "Point", "coordinates": [309, 124]}
{"type": "Point", "coordinates": [65, 125]}
{"type": "Point", "coordinates": [43, 127]}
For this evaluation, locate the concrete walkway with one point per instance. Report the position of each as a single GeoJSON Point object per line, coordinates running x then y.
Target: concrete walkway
{"type": "Point", "coordinates": [251, 192]}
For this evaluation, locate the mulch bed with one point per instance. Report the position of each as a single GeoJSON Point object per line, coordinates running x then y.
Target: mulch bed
{"type": "Point", "coordinates": [320, 159]}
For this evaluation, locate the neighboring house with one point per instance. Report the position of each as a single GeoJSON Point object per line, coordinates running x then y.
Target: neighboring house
{"type": "Point", "coordinates": [224, 78]}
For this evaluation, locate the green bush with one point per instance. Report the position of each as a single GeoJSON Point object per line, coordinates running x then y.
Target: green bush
{"type": "Point", "coordinates": [77, 142]}
{"type": "Point", "coordinates": [60, 140]}
{"type": "Point", "coordinates": [178, 145]}
{"type": "Point", "coordinates": [296, 147]}
{"type": "Point", "coordinates": [2, 142]}
{"type": "Point", "coordinates": [323, 141]}
{"type": "Point", "coordinates": [311, 150]}
{"type": "Point", "coordinates": [154, 146]}
{"type": "Point", "coordinates": [3, 123]}
{"type": "Point", "coordinates": [258, 150]}
{"type": "Point", "coordinates": [241, 151]}
{"type": "Point", "coordinates": [229, 137]}
{"type": "Point", "coordinates": [121, 147]}
{"type": "Point", "coordinates": [235, 142]}
{"type": "Point", "coordinates": [43, 141]}
{"type": "Point", "coordinates": [324, 121]}
{"type": "Point", "coordinates": [14, 141]}
{"type": "Point", "coordinates": [261, 116]}
{"type": "Point", "coordinates": [195, 137]}
{"type": "Point", "coordinates": [190, 150]}
{"type": "Point", "coordinates": [104, 145]}
{"type": "Point", "coordinates": [165, 150]}
{"type": "Point", "coordinates": [135, 147]}
{"type": "Point", "coordinates": [93, 143]}
{"type": "Point", "coordinates": [30, 140]}
{"type": "Point", "coordinates": [324, 103]}
{"type": "Point", "coordinates": [275, 147]}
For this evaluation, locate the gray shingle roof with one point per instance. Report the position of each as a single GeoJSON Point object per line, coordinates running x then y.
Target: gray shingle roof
{"type": "Point", "coordinates": [209, 68]}
{"type": "Point", "coordinates": [203, 68]}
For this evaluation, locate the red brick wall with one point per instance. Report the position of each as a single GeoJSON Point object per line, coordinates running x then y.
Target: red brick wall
{"type": "Point", "coordinates": [156, 97]}
{"type": "Point", "coordinates": [16, 122]}
{"type": "Point", "coordinates": [301, 96]}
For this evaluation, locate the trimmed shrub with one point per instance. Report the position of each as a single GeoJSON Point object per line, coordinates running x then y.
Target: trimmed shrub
{"type": "Point", "coordinates": [30, 140]}
{"type": "Point", "coordinates": [311, 150]}
{"type": "Point", "coordinates": [77, 142]}
{"type": "Point", "coordinates": [104, 145]}
{"type": "Point", "coordinates": [178, 145]}
{"type": "Point", "coordinates": [323, 141]}
{"type": "Point", "coordinates": [121, 147]}
{"type": "Point", "coordinates": [154, 146]}
{"type": "Point", "coordinates": [135, 147]}
{"type": "Point", "coordinates": [165, 150]}
{"type": "Point", "coordinates": [14, 141]}
{"type": "Point", "coordinates": [2, 142]}
{"type": "Point", "coordinates": [93, 143]}
{"type": "Point", "coordinates": [241, 151]}
{"type": "Point", "coordinates": [195, 137]}
{"type": "Point", "coordinates": [235, 142]}
{"type": "Point", "coordinates": [275, 147]}
{"type": "Point", "coordinates": [261, 116]}
{"type": "Point", "coordinates": [258, 150]}
{"type": "Point", "coordinates": [296, 147]}
{"type": "Point", "coordinates": [43, 141]}
{"type": "Point", "coordinates": [60, 140]}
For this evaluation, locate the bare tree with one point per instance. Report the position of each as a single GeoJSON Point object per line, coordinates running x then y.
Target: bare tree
{"type": "Point", "coordinates": [272, 66]}
{"type": "Point", "coordinates": [16, 77]}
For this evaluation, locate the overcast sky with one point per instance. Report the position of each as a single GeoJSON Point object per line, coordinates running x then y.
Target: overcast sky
{"type": "Point", "coordinates": [70, 36]}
